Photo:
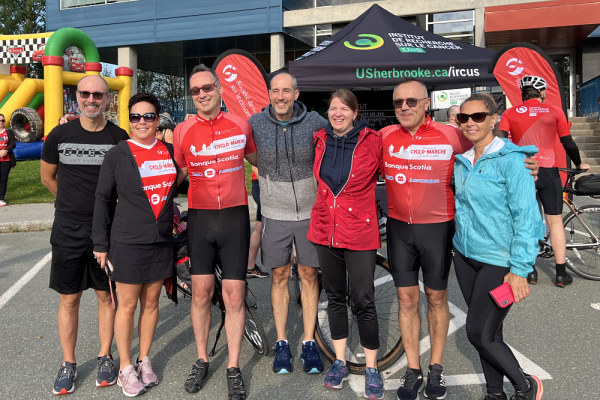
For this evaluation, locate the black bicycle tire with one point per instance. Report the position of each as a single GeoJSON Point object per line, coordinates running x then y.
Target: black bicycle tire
{"type": "Point", "coordinates": [264, 348]}
{"type": "Point", "coordinates": [185, 291]}
{"type": "Point", "coordinates": [298, 289]}
{"type": "Point", "coordinates": [569, 263]}
{"type": "Point", "coordinates": [383, 362]}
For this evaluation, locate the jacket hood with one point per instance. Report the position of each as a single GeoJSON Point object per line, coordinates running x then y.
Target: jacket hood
{"type": "Point", "coordinates": [509, 147]}
{"type": "Point", "coordinates": [297, 115]}
{"type": "Point", "coordinates": [350, 137]}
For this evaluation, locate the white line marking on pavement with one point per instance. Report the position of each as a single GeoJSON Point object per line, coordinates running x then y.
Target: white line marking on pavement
{"type": "Point", "coordinates": [595, 306]}
{"type": "Point", "coordinates": [357, 382]}
{"type": "Point", "coordinates": [14, 289]}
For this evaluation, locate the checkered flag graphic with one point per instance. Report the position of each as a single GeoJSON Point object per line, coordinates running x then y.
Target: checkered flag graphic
{"type": "Point", "coordinates": [22, 51]}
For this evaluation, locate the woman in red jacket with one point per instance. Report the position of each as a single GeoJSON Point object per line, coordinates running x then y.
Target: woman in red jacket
{"type": "Point", "coordinates": [345, 230]}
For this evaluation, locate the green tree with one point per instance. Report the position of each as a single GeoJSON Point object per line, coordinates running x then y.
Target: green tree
{"type": "Point", "coordinates": [162, 86]}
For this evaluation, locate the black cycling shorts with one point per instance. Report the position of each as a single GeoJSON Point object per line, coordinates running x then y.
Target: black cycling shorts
{"type": "Point", "coordinates": [256, 198]}
{"type": "Point", "coordinates": [425, 246]}
{"type": "Point", "coordinates": [74, 268]}
{"type": "Point", "coordinates": [549, 190]}
{"type": "Point", "coordinates": [226, 232]}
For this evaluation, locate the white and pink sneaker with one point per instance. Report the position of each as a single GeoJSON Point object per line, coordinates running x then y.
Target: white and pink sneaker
{"type": "Point", "coordinates": [144, 370]}
{"type": "Point", "coordinates": [130, 382]}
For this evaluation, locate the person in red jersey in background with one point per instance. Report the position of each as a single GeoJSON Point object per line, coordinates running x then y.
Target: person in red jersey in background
{"type": "Point", "coordinates": [418, 162]}
{"type": "Point", "coordinates": [133, 223]}
{"type": "Point", "coordinates": [537, 123]}
{"type": "Point", "coordinates": [211, 148]}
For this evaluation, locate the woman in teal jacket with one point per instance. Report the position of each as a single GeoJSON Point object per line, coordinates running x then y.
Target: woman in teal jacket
{"type": "Point", "coordinates": [498, 226]}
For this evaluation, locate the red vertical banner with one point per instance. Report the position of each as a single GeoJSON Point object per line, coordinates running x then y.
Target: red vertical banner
{"type": "Point", "coordinates": [515, 61]}
{"type": "Point", "coordinates": [244, 82]}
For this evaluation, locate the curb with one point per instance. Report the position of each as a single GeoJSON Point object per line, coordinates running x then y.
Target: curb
{"type": "Point", "coordinates": [29, 226]}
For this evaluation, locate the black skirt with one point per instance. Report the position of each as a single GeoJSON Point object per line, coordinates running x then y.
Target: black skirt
{"type": "Point", "coordinates": [141, 263]}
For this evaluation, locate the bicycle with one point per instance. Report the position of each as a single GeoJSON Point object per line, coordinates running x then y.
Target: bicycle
{"type": "Point", "coordinates": [582, 225]}
{"type": "Point", "coordinates": [386, 301]}
{"type": "Point", "coordinates": [253, 330]}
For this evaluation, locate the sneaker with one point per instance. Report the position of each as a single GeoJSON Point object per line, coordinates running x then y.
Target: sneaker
{"type": "Point", "coordinates": [492, 396]}
{"type": "Point", "coordinates": [336, 375]}
{"type": "Point", "coordinates": [2, 203]}
{"type": "Point", "coordinates": [64, 381]}
{"type": "Point", "coordinates": [311, 358]}
{"type": "Point", "coordinates": [144, 370]}
{"type": "Point", "coordinates": [373, 384]}
{"type": "Point", "coordinates": [436, 383]}
{"type": "Point", "coordinates": [536, 389]}
{"type": "Point", "coordinates": [194, 381]}
{"type": "Point", "coordinates": [532, 277]}
{"type": "Point", "coordinates": [235, 384]}
{"type": "Point", "coordinates": [563, 280]}
{"type": "Point", "coordinates": [283, 358]}
{"type": "Point", "coordinates": [130, 382]}
{"type": "Point", "coordinates": [410, 385]}
{"type": "Point", "coordinates": [256, 272]}
{"type": "Point", "coordinates": [107, 371]}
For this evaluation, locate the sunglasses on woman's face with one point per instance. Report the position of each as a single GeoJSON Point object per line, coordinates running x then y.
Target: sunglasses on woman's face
{"type": "Point", "coordinates": [148, 117]}
{"type": "Point", "coordinates": [411, 102]}
{"type": "Point", "coordinates": [476, 117]}
{"type": "Point", "coordinates": [195, 91]}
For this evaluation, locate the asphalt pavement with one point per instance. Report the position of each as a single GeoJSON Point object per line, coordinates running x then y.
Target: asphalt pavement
{"type": "Point", "coordinates": [554, 333]}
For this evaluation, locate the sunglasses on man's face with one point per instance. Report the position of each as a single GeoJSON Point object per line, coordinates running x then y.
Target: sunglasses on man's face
{"type": "Point", "coordinates": [411, 102]}
{"type": "Point", "coordinates": [86, 95]}
{"type": "Point", "coordinates": [195, 91]}
{"type": "Point", "coordinates": [148, 117]}
{"type": "Point", "coordinates": [476, 117]}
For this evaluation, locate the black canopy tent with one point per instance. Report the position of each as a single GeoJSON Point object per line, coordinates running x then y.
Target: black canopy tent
{"type": "Point", "coordinates": [378, 49]}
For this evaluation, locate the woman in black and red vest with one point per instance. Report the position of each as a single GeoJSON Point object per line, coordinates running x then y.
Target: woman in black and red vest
{"type": "Point", "coordinates": [134, 234]}
{"type": "Point", "coordinates": [7, 158]}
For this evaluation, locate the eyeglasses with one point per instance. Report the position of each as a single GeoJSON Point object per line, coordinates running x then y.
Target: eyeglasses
{"type": "Point", "coordinates": [86, 95]}
{"type": "Point", "coordinates": [412, 102]}
{"type": "Point", "coordinates": [476, 117]}
{"type": "Point", "coordinates": [195, 91]}
{"type": "Point", "coordinates": [148, 117]}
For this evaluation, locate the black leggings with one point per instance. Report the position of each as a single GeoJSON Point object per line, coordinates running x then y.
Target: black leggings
{"type": "Point", "coordinates": [5, 167]}
{"type": "Point", "coordinates": [361, 271]}
{"type": "Point", "coordinates": [484, 322]}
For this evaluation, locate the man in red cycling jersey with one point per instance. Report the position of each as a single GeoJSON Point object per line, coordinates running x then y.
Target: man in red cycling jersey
{"type": "Point", "coordinates": [418, 157]}
{"type": "Point", "coordinates": [536, 123]}
{"type": "Point", "coordinates": [211, 148]}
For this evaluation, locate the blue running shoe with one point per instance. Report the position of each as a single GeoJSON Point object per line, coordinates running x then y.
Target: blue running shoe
{"type": "Point", "coordinates": [336, 374]}
{"type": "Point", "coordinates": [373, 384]}
{"type": "Point", "coordinates": [311, 358]}
{"type": "Point", "coordinates": [283, 358]}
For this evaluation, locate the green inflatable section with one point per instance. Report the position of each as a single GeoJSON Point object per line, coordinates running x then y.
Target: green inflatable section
{"type": "Point", "coordinates": [6, 99]}
{"type": "Point", "coordinates": [37, 101]}
{"type": "Point", "coordinates": [65, 37]}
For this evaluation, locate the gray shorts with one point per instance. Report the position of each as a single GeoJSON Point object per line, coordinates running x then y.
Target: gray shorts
{"type": "Point", "coordinates": [277, 239]}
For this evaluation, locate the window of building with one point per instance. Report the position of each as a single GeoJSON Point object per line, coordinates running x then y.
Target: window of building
{"type": "Point", "coordinates": [458, 25]}
{"type": "Point", "coordinates": [64, 4]}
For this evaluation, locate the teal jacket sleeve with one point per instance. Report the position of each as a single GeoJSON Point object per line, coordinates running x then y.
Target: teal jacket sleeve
{"type": "Point", "coordinates": [526, 218]}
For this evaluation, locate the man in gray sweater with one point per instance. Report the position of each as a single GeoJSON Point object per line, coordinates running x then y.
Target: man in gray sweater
{"type": "Point", "coordinates": [283, 133]}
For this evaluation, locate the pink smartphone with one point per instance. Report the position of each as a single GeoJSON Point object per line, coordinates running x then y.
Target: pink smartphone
{"type": "Point", "coordinates": [503, 295]}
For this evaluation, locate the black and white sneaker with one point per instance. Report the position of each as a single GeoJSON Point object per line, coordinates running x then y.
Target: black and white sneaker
{"type": "Point", "coordinates": [256, 272]}
{"type": "Point", "coordinates": [436, 383]}
{"type": "Point", "coordinates": [235, 384]}
{"type": "Point", "coordinates": [410, 386]}
{"type": "Point", "coordinates": [64, 381]}
{"type": "Point", "coordinates": [195, 379]}
{"type": "Point", "coordinates": [107, 371]}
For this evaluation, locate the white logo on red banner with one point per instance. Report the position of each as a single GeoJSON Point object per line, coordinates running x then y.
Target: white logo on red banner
{"type": "Point", "coordinates": [230, 75]}
{"type": "Point", "coordinates": [522, 109]}
{"type": "Point", "coordinates": [516, 65]}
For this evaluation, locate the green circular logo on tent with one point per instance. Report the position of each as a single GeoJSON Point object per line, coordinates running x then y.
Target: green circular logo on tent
{"type": "Point", "coordinates": [442, 96]}
{"type": "Point", "coordinates": [373, 42]}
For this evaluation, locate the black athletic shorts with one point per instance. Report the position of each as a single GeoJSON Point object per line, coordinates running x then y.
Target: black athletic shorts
{"type": "Point", "coordinates": [549, 190]}
{"type": "Point", "coordinates": [256, 198]}
{"type": "Point", "coordinates": [425, 246]}
{"type": "Point", "coordinates": [74, 268]}
{"type": "Point", "coordinates": [226, 232]}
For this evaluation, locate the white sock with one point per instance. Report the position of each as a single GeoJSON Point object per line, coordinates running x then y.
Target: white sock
{"type": "Point", "coordinates": [306, 341]}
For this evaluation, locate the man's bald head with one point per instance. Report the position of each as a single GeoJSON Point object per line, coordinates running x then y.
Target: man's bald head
{"type": "Point", "coordinates": [95, 78]}
{"type": "Point", "coordinates": [416, 82]}
{"type": "Point", "coordinates": [452, 111]}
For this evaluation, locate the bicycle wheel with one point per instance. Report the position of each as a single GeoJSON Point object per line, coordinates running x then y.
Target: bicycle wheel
{"type": "Point", "coordinates": [297, 285]}
{"type": "Point", "coordinates": [184, 288]}
{"type": "Point", "coordinates": [386, 302]}
{"type": "Point", "coordinates": [255, 333]}
{"type": "Point", "coordinates": [583, 250]}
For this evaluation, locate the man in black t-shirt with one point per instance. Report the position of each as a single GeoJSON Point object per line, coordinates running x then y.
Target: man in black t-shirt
{"type": "Point", "coordinates": [71, 160]}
